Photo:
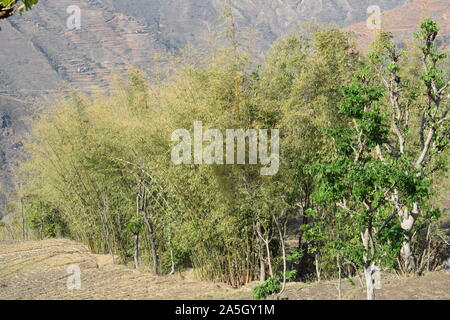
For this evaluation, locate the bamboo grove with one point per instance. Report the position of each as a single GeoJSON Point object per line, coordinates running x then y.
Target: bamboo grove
{"type": "Point", "coordinates": [364, 141]}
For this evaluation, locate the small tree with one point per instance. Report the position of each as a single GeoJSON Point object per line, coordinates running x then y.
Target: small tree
{"type": "Point", "coordinates": [358, 182]}
{"type": "Point", "coordinates": [379, 172]}
{"type": "Point", "coordinates": [418, 111]}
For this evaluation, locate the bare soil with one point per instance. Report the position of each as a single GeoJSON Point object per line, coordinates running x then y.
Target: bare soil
{"type": "Point", "coordinates": [38, 270]}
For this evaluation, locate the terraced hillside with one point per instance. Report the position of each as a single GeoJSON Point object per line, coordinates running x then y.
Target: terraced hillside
{"type": "Point", "coordinates": [41, 52]}
{"type": "Point", "coordinates": [46, 52]}
{"type": "Point", "coordinates": [405, 18]}
{"type": "Point", "coordinates": [39, 270]}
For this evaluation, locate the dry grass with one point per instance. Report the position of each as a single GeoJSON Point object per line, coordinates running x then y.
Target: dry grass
{"type": "Point", "coordinates": [38, 270]}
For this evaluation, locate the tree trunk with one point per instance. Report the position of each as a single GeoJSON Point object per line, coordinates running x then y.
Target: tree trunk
{"type": "Point", "coordinates": [151, 236]}
{"type": "Point", "coordinates": [262, 263]}
{"type": "Point", "coordinates": [407, 220]}
{"type": "Point", "coordinates": [338, 259]}
{"type": "Point", "coordinates": [172, 261]}
{"type": "Point", "coordinates": [283, 287]}
{"type": "Point", "coordinates": [11, 234]}
{"type": "Point", "coordinates": [104, 218]}
{"type": "Point", "coordinates": [282, 235]}
{"type": "Point", "coordinates": [23, 221]}
{"type": "Point", "coordinates": [136, 250]}
{"type": "Point", "coordinates": [370, 270]}
{"type": "Point", "coordinates": [316, 258]}
{"type": "Point", "coordinates": [408, 260]}
{"type": "Point", "coordinates": [41, 231]}
{"type": "Point", "coordinates": [262, 268]}
{"type": "Point", "coordinates": [142, 207]}
{"type": "Point", "coordinates": [266, 239]}
{"type": "Point", "coordinates": [305, 264]}
{"type": "Point", "coordinates": [269, 262]}
{"type": "Point", "coordinates": [369, 273]}
{"type": "Point", "coordinates": [407, 223]}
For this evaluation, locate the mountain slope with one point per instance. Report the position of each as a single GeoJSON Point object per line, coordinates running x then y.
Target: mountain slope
{"type": "Point", "coordinates": [403, 20]}
{"type": "Point", "coordinates": [39, 270]}
{"type": "Point", "coordinates": [41, 50]}
{"type": "Point", "coordinates": [180, 22]}
{"type": "Point", "coordinates": [39, 55]}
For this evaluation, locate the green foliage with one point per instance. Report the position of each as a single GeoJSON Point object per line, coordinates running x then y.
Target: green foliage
{"type": "Point", "coordinates": [27, 4]}
{"type": "Point", "coordinates": [12, 6]}
{"type": "Point", "coordinates": [268, 288]}
{"type": "Point", "coordinates": [366, 182]}
{"type": "Point", "coordinates": [100, 171]}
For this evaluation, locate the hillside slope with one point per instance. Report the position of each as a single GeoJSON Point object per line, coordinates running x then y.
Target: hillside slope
{"type": "Point", "coordinates": [41, 51]}
{"type": "Point", "coordinates": [39, 55]}
{"type": "Point", "coordinates": [404, 19]}
{"type": "Point", "coordinates": [38, 270]}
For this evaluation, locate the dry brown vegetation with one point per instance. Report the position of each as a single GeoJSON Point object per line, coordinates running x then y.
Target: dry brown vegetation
{"type": "Point", "coordinates": [38, 270]}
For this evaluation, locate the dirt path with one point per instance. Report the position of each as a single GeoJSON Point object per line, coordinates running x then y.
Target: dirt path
{"type": "Point", "coordinates": [38, 270]}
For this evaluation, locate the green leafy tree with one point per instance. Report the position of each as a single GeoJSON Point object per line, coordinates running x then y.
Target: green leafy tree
{"type": "Point", "coordinates": [355, 181]}
{"type": "Point", "coordinates": [379, 172]}
{"type": "Point", "coordinates": [298, 93]}
{"type": "Point", "coordinates": [418, 107]}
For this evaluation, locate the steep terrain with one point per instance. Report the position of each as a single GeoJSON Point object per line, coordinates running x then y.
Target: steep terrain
{"type": "Point", "coordinates": [180, 22]}
{"type": "Point", "coordinates": [403, 19]}
{"type": "Point", "coordinates": [38, 50]}
{"type": "Point", "coordinates": [39, 55]}
{"type": "Point", "coordinates": [39, 270]}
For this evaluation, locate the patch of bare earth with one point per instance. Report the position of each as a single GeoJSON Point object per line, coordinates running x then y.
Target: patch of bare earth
{"type": "Point", "coordinates": [38, 270]}
{"type": "Point", "coordinates": [432, 286]}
